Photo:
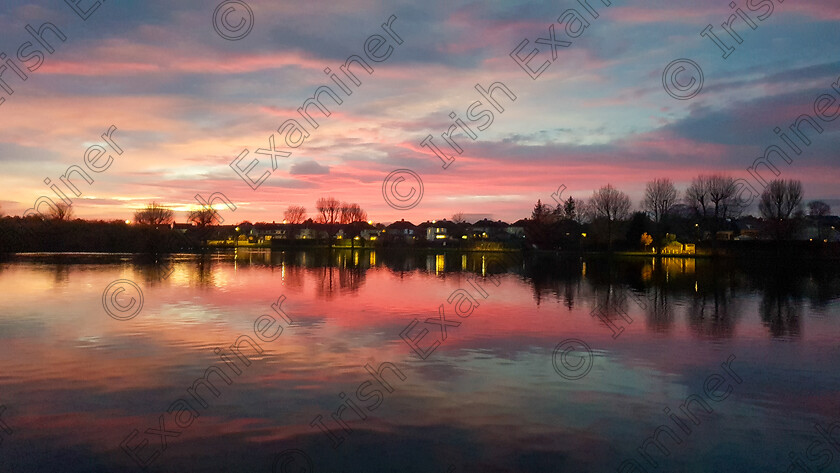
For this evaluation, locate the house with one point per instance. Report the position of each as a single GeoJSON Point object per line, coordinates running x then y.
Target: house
{"type": "Point", "coordinates": [677, 248]}
{"type": "Point", "coordinates": [263, 232]}
{"type": "Point", "coordinates": [725, 235]}
{"type": "Point", "coordinates": [435, 232]}
{"type": "Point", "coordinates": [401, 231]}
{"type": "Point", "coordinates": [487, 229]}
{"type": "Point", "coordinates": [370, 234]}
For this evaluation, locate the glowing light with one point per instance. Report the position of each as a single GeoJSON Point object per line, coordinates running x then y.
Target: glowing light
{"type": "Point", "coordinates": [128, 222]}
{"type": "Point", "coordinates": [440, 263]}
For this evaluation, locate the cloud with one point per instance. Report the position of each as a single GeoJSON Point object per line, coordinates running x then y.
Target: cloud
{"type": "Point", "coordinates": [308, 167]}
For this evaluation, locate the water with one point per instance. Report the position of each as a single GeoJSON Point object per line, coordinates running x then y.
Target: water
{"type": "Point", "coordinates": [751, 346]}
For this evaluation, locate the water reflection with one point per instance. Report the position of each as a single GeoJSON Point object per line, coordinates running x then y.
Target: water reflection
{"type": "Point", "coordinates": [77, 382]}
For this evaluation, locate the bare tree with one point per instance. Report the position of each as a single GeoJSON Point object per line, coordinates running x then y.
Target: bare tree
{"type": "Point", "coordinates": [344, 213]}
{"type": "Point", "coordinates": [295, 214]}
{"type": "Point", "coordinates": [818, 208]}
{"type": "Point", "coordinates": [611, 205]}
{"type": "Point", "coordinates": [356, 214]}
{"type": "Point", "coordinates": [154, 214]}
{"type": "Point", "coordinates": [660, 198]}
{"type": "Point", "coordinates": [61, 212]}
{"type": "Point", "coordinates": [459, 218]}
{"type": "Point", "coordinates": [329, 209]}
{"type": "Point", "coordinates": [203, 217]}
{"type": "Point", "coordinates": [781, 199]}
{"type": "Point", "coordinates": [697, 196]}
{"type": "Point", "coordinates": [780, 204]}
{"type": "Point", "coordinates": [723, 196]}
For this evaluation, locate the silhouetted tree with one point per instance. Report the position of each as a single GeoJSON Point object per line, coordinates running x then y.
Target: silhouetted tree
{"type": "Point", "coordinates": [295, 214]}
{"type": "Point", "coordinates": [781, 205]}
{"type": "Point", "coordinates": [61, 212]}
{"type": "Point", "coordinates": [202, 217]}
{"type": "Point", "coordinates": [154, 214]}
{"type": "Point", "coordinates": [660, 198]}
{"type": "Point", "coordinates": [611, 205]}
{"type": "Point", "coordinates": [570, 209]}
{"type": "Point", "coordinates": [349, 213]}
{"type": "Point", "coordinates": [329, 209]}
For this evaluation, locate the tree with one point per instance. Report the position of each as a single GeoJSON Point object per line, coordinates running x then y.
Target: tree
{"type": "Point", "coordinates": [818, 208]}
{"type": "Point", "coordinates": [646, 240]}
{"type": "Point", "coordinates": [714, 197]}
{"type": "Point", "coordinates": [459, 218]}
{"type": "Point", "coordinates": [697, 196]}
{"type": "Point", "coordinates": [570, 209]}
{"type": "Point", "coordinates": [202, 217]}
{"type": "Point", "coordinates": [611, 205]}
{"type": "Point", "coordinates": [329, 209]}
{"type": "Point", "coordinates": [722, 194]}
{"type": "Point", "coordinates": [295, 214]}
{"type": "Point", "coordinates": [349, 213]}
{"type": "Point", "coordinates": [660, 198]}
{"type": "Point", "coordinates": [154, 214]}
{"type": "Point", "coordinates": [541, 214]}
{"type": "Point", "coordinates": [781, 205]}
{"type": "Point", "coordinates": [61, 212]}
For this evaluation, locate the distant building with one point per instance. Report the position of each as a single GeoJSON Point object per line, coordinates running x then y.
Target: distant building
{"type": "Point", "coordinates": [401, 231]}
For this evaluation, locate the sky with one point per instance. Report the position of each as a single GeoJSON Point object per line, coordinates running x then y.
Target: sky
{"type": "Point", "coordinates": [191, 86]}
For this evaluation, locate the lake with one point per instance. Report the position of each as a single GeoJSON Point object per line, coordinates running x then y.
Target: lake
{"type": "Point", "coordinates": [373, 361]}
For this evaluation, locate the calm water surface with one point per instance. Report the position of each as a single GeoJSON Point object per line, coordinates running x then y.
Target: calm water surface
{"type": "Point", "coordinates": [76, 383]}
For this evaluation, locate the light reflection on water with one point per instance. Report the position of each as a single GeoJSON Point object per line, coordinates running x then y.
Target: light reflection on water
{"type": "Point", "coordinates": [76, 382]}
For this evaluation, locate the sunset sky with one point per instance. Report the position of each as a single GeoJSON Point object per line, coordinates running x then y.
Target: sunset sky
{"type": "Point", "coordinates": [186, 102]}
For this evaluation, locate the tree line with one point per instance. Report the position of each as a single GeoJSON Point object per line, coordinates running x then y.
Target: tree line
{"type": "Point", "coordinates": [710, 200]}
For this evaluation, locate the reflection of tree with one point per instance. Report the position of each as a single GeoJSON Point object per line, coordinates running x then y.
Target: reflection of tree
{"type": "Point", "coordinates": [782, 284]}
{"type": "Point", "coordinates": [331, 281]}
{"type": "Point", "coordinates": [781, 313]}
{"type": "Point", "coordinates": [610, 308]}
{"type": "Point", "coordinates": [660, 315]}
{"type": "Point", "coordinates": [548, 274]}
{"type": "Point", "coordinates": [61, 273]}
{"type": "Point", "coordinates": [823, 286]}
{"type": "Point", "coordinates": [712, 312]}
{"type": "Point", "coordinates": [569, 290]}
{"type": "Point", "coordinates": [202, 276]}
